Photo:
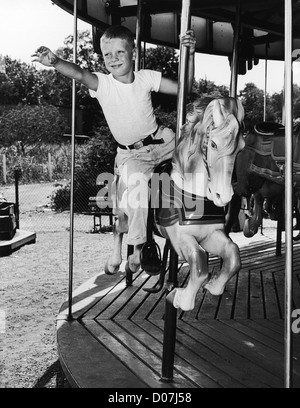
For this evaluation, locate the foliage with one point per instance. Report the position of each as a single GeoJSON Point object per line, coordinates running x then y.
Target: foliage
{"type": "Point", "coordinates": [30, 126]}
{"type": "Point", "coordinates": [96, 157]}
{"type": "Point", "coordinates": [21, 83]}
{"type": "Point", "coordinates": [253, 102]}
{"type": "Point", "coordinates": [206, 87]}
{"type": "Point", "coordinates": [35, 167]}
{"type": "Point", "coordinates": [163, 59]}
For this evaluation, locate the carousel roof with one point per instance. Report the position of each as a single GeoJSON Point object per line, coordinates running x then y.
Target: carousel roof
{"type": "Point", "coordinates": [262, 23]}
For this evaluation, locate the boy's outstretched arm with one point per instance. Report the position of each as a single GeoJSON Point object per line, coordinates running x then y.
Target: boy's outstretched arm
{"type": "Point", "coordinates": [169, 86]}
{"type": "Point", "coordinates": [69, 69]}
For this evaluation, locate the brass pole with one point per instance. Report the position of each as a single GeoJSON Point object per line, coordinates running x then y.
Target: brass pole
{"type": "Point", "coordinates": [71, 242]}
{"type": "Point", "coordinates": [235, 53]}
{"type": "Point", "coordinates": [288, 80]}
{"type": "Point", "coordinates": [183, 68]}
{"type": "Point", "coordinates": [169, 340]}
{"type": "Point", "coordinates": [138, 35]}
{"type": "Point", "coordinates": [266, 83]}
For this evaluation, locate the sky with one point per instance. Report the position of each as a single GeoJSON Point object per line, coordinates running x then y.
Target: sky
{"type": "Point", "coordinates": [27, 24]}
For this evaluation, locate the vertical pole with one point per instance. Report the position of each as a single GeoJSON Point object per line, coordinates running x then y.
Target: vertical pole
{"type": "Point", "coordinates": [4, 168]}
{"type": "Point", "coordinates": [50, 166]}
{"type": "Point", "coordinates": [170, 311]}
{"type": "Point", "coordinates": [17, 205]}
{"type": "Point", "coordinates": [288, 193]}
{"type": "Point", "coordinates": [130, 248]}
{"type": "Point", "coordinates": [183, 68]}
{"type": "Point", "coordinates": [138, 35]}
{"type": "Point", "coordinates": [71, 243]}
{"type": "Point", "coordinates": [235, 54]}
{"type": "Point", "coordinates": [266, 84]}
{"type": "Point", "coordinates": [170, 324]}
{"type": "Point", "coordinates": [129, 275]}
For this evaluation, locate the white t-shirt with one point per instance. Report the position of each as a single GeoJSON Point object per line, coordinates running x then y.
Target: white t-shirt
{"type": "Point", "coordinates": [127, 107]}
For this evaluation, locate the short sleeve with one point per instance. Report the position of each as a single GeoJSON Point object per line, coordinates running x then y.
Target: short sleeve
{"type": "Point", "coordinates": [94, 94]}
{"type": "Point", "coordinates": [155, 79]}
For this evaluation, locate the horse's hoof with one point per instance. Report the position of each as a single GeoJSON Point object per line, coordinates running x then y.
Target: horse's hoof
{"type": "Point", "coordinates": [171, 298]}
{"type": "Point", "coordinates": [108, 272]}
{"type": "Point", "coordinates": [205, 282]}
{"type": "Point", "coordinates": [248, 230]}
{"type": "Point", "coordinates": [128, 270]}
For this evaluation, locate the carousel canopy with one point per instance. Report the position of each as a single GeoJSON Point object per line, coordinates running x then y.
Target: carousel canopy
{"type": "Point", "coordinates": [214, 22]}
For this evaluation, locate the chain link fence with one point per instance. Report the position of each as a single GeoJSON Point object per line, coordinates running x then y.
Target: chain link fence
{"type": "Point", "coordinates": [43, 204]}
{"type": "Point", "coordinates": [35, 207]}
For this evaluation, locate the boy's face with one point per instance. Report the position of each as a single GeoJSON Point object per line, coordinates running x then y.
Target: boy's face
{"type": "Point", "coordinates": [118, 56]}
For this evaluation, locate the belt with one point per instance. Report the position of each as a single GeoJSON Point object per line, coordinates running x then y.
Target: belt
{"type": "Point", "coordinates": [143, 142]}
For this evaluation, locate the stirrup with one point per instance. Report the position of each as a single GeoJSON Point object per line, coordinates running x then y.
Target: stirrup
{"type": "Point", "coordinates": [150, 258]}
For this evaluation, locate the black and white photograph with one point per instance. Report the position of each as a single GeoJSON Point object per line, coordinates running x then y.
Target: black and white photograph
{"type": "Point", "coordinates": [149, 197]}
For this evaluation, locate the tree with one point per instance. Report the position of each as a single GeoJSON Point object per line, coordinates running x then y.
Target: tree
{"type": "Point", "coordinates": [31, 126]}
{"type": "Point", "coordinates": [274, 106]}
{"type": "Point", "coordinates": [253, 101]}
{"type": "Point", "coordinates": [206, 87]}
{"type": "Point", "coordinates": [20, 83]}
{"type": "Point", "coordinates": [163, 59]}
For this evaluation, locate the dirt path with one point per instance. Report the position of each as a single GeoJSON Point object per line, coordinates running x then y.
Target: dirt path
{"type": "Point", "coordinates": [34, 284]}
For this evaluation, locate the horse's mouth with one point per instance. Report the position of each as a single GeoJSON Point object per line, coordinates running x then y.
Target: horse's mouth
{"type": "Point", "coordinates": [216, 198]}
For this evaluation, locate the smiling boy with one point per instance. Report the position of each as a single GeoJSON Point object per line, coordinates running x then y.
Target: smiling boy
{"type": "Point", "coordinates": [125, 98]}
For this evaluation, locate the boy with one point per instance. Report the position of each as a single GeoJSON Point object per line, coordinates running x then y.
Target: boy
{"type": "Point", "coordinates": [125, 97]}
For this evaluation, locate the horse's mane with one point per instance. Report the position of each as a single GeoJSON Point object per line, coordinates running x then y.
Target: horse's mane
{"type": "Point", "coordinates": [186, 146]}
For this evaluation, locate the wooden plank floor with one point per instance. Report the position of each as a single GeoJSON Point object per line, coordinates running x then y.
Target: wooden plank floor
{"type": "Point", "coordinates": [231, 341]}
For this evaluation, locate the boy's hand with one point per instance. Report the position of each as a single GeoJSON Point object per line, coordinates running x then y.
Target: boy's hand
{"type": "Point", "coordinates": [189, 40]}
{"type": "Point", "coordinates": [45, 57]}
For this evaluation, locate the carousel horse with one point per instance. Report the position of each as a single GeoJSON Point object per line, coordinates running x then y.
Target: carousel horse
{"type": "Point", "coordinates": [199, 177]}
{"type": "Point", "coordinates": [259, 175]}
{"type": "Point", "coordinates": [191, 212]}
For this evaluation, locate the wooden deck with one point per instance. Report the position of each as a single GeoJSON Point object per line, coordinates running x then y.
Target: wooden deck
{"type": "Point", "coordinates": [21, 238]}
{"type": "Point", "coordinates": [231, 341]}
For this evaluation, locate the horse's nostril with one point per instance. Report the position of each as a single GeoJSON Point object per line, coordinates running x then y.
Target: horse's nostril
{"type": "Point", "coordinates": [218, 195]}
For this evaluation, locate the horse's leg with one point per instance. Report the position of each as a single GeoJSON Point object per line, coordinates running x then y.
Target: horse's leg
{"type": "Point", "coordinates": [252, 224]}
{"type": "Point", "coordinates": [184, 298]}
{"type": "Point", "coordinates": [133, 261]}
{"type": "Point", "coordinates": [219, 244]}
{"type": "Point", "coordinates": [232, 215]}
{"type": "Point", "coordinates": [114, 261]}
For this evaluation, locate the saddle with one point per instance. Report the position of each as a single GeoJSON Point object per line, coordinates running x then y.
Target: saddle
{"type": "Point", "coordinates": [172, 204]}
{"type": "Point", "coordinates": [266, 146]}
{"type": "Point", "coordinates": [264, 154]}
{"type": "Point", "coordinates": [269, 140]}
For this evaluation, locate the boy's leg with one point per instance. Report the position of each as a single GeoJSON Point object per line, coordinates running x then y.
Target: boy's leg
{"type": "Point", "coordinates": [135, 169]}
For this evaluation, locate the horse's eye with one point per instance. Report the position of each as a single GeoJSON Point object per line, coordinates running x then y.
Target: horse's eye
{"type": "Point", "coordinates": [213, 145]}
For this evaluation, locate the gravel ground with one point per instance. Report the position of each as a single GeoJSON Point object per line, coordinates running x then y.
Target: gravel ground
{"type": "Point", "coordinates": [34, 284]}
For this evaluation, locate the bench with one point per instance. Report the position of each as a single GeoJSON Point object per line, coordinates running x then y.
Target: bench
{"type": "Point", "coordinates": [98, 212]}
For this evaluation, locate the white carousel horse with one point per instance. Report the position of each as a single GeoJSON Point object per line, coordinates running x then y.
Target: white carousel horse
{"type": "Point", "coordinates": [205, 152]}
{"type": "Point", "coordinates": [202, 168]}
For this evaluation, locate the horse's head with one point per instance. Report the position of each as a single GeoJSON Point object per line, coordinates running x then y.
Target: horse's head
{"type": "Point", "coordinates": [210, 141]}
{"type": "Point", "coordinates": [221, 126]}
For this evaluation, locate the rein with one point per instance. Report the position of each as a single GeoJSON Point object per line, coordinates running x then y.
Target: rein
{"type": "Point", "coordinates": [205, 148]}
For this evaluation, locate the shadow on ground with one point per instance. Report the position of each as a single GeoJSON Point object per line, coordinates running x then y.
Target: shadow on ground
{"type": "Point", "coordinates": [55, 371]}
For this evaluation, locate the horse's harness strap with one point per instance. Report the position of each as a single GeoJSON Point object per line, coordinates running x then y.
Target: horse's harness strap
{"type": "Point", "coordinates": [143, 142]}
